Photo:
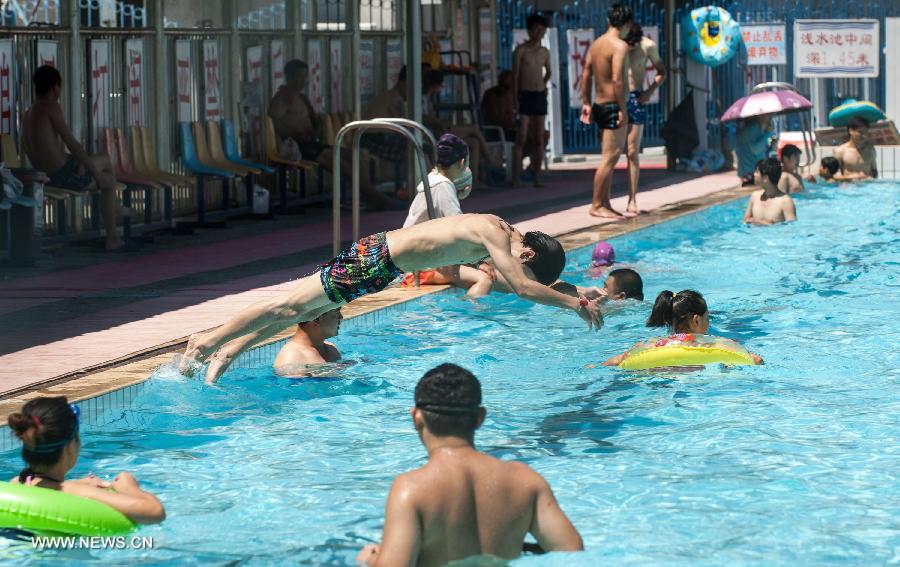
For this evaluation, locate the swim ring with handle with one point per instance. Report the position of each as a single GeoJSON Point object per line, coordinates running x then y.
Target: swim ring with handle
{"type": "Point", "coordinates": [709, 35]}
{"type": "Point", "coordinates": [841, 115]}
{"type": "Point", "coordinates": [685, 349]}
{"type": "Point", "coordinates": [42, 510]}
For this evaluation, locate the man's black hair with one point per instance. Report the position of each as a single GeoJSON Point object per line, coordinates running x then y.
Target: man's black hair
{"type": "Point", "coordinates": [401, 76]}
{"type": "Point", "coordinates": [45, 78]}
{"type": "Point", "coordinates": [857, 122]}
{"type": "Point", "coordinates": [635, 34]}
{"type": "Point", "coordinates": [831, 164]}
{"type": "Point", "coordinates": [294, 66]}
{"type": "Point", "coordinates": [449, 397]}
{"type": "Point", "coordinates": [549, 257]}
{"type": "Point", "coordinates": [432, 79]}
{"type": "Point", "coordinates": [628, 281]}
{"type": "Point", "coordinates": [790, 150]}
{"type": "Point", "coordinates": [770, 168]}
{"type": "Point", "coordinates": [536, 20]}
{"type": "Point", "coordinates": [619, 15]}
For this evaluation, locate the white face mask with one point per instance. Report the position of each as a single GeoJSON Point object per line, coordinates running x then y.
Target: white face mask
{"type": "Point", "coordinates": [463, 183]}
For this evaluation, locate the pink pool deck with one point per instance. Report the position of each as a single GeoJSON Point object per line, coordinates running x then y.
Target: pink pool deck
{"type": "Point", "coordinates": [63, 348]}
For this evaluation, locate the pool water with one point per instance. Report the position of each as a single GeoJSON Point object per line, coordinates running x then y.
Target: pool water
{"type": "Point", "coordinates": [794, 462]}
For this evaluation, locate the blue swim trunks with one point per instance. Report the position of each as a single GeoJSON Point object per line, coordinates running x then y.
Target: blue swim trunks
{"type": "Point", "coordinates": [366, 267]}
{"type": "Point", "coordinates": [636, 112]}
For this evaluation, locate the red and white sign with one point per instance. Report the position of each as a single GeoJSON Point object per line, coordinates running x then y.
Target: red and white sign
{"type": "Point", "coordinates": [255, 77]}
{"type": "Point", "coordinates": [486, 47]}
{"type": "Point", "coordinates": [276, 48]}
{"type": "Point", "coordinates": [47, 52]}
{"type": "Point", "coordinates": [255, 64]}
{"type": "Point", "coordinates": [314, 53]}
{"type": "Point", "coordinates": [211, 95]}
{"type": "Point", "coordinates": [184, 78]}
{"type": "Point", "coordinates": [579, 42]}
{"type": "Point", "coordinates": [394, 58]}
{"type": "Point", "coordinates": [836, 48]}
{"type": "Point", "coordinates": [336, 75]}
{"type": "Point", "coordinates": [100, 89]}
{"type": "Point", "coordinates": [134, 77]}
{"type": "Point", "coordinates": [765, 44]}
{"type": "Point", "coordinates": [653, 33]}
{"type": "Point", "coordinates": [7, 92]}
{"type": "Point", "coordinates": [366, 70]}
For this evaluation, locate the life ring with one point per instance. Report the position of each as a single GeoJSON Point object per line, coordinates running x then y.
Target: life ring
{"type": "Point", "coordinates": [41, 510]}
{"type": "Point", "coordinates": [710, 35]}
{"type": "Point", "coordinates": [840, 115]}
{"type": "Point", "coordinates": [685, 349]}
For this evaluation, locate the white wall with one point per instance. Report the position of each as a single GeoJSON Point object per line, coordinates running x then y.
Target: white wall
{"type": "Point", "coordinates": [891, 70]}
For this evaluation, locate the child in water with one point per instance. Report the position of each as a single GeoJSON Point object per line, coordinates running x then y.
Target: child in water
{"type": "Point", "coordinates": [684, 314]}
{"type": "Point", "coordinates": [48, 428]}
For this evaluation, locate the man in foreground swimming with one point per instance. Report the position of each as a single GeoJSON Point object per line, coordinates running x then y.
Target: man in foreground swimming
{"type": "Point", "coordinates": [463, 503]}
{"type": "Point", "coordinates": [528, 262]}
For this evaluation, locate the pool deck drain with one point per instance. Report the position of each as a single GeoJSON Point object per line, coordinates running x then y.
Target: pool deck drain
{"type": "Point", "coordinates": [573, 227]}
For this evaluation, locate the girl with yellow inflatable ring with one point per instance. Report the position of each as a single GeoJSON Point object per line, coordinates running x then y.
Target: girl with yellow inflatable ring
{"type": "Point", "coordinates": [48, 428]}
{"type": "Point", "coordinates": [687, 318]}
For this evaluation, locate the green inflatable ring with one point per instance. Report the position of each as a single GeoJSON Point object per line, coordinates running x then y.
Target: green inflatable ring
{"type": "Point", "coordinates": [41, 510]}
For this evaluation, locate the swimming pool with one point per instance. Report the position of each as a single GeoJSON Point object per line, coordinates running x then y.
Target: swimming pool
{"type": "Point", "coordinates": [795, 462]}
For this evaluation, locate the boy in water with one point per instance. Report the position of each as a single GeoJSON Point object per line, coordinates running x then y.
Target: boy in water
{"type": "Point", "coordinates": [790, 181]}
{"type": "Point", "coordinates": [769, 205]}
{"type": "Point", "coordinates": [531, 72]}
{"type": "Point", "coordinates": [463, 503]}
{"type": "Point", "coordinates": [828, 168]}
{"type": "Point", "coordinates": [309, 345]}
{"type": "Point", "coordinates": [607, 63]}
{"type": "Point", "coordinates": [857, 156]}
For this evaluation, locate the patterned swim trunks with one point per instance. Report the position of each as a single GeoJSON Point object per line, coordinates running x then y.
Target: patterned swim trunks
{"type": "Point", "coordinates": [366, 267]}
{"type": "Point", "coordinates": [637, 114]}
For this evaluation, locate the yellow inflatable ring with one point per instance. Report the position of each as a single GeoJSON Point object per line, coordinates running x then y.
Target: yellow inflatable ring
{"type": "Point", "coordinates": [685, 349]}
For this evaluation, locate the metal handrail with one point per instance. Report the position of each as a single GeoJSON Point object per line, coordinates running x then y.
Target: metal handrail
{"type": "Point", "coordinates": [397, 125]}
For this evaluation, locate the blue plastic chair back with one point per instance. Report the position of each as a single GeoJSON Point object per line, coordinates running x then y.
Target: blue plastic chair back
{"type": "Point", "coordinates": [229, 140]}
{"type": "Point", "coordinates": [189, 154]}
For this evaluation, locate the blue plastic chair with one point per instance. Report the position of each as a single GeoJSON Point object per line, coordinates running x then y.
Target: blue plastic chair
{"type": "Point", "coordinates": [192, 163]}
{"type": "Point", "coordinates": [229, 140]}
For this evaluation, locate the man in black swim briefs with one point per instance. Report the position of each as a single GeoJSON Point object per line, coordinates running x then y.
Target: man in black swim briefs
{"type": "Point", "coordinates": [606, 64]}
{"type": "Point", "coordinates": [531, 71]}
{"type": "Point", "coordinates": [528, 262]}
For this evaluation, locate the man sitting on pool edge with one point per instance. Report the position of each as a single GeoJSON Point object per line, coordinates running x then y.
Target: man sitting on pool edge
{"type": "Point", "coordinates": [529, 262]}
{"type": "Point", "coordinates": [463, 503]}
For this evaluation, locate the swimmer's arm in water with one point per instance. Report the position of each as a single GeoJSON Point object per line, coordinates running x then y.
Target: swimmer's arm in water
{"type": "Point", "coordinates": [756, 358]}
{"type": "Point", "coordinates": [748, 213]}
{"type": "Point", "coordinates": [497, 243]}
{"type": "Point", "coordinates": [401, 539]}
{"type": "Point", "coordinates": [549, 524]}
{"type": "Point", "coordinates": [789, 211]}
{"type": "Point", "coordinates": [126, 496]}
{"type": "Point", "coordinates": [616, 360]}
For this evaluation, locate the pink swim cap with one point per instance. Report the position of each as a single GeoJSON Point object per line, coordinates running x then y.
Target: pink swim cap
{"type": "Point", "coordinates": [603, 255]}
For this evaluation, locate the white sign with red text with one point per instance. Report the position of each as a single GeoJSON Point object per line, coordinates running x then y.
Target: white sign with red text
{"type": "Point", "coordinates": [486, 47]}
{"type": "Point", "coordinates": [765, 44]}
{"type": "Point", "coordinates": [650, 77]}
{"type": "Point", "coordinates": [394, 60]}
{"type": "Point", "coordinates": [314, 54]}
{"type": "Point", "coordinates": [183, 79]}
{"type": "Point", "coordinates": [134, 78]}
{"type": "Point", "coordinates": [836, 48]}
{"type": "Point", "coordinates": [212, 89]}
{"type": "Point", "coordinates": [366, 70]}
{"type": "Point", "coordinates": [336, 73]}
{"type": "Point", "coordinates": [7, 92]}
{"type": "Point", "coordinates": [276, 48]}
{"type": "Point", "coordinates": [579, 42]}
{"type": "Point", "coordinates": [47, 52]}
{"type": "Point", "coordinates": [100, 89]}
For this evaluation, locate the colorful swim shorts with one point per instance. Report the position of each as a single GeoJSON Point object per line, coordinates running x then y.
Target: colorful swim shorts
{"type": "Point", "coordinates": [366, 267]}
{"type": "Point", "coordinates": [636, 112]}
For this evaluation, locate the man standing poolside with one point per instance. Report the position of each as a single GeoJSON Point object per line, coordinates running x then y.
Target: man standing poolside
{"type": "Point", "coordinates": [463, 503]}
{"type": "Point", "coordinates": [641, 49]}
{"type": "Point", "coordinates": [529, 262]}
{"type": "Point", "coordinates": [607, 62]}
{"type": "Point", "coordinates": [531, 71]}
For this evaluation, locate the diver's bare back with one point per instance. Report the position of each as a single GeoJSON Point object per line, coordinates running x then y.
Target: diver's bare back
{"type": "Point", "coordinates": [601, 56]}
{"type": "Point", "coordinates": [38, 132]}
{"type": "Point", "coordinates": [444, 242]}
{"type": "Point", "coordinates": [477, 505]}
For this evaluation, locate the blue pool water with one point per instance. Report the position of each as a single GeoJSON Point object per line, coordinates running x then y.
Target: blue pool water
{"type": "Point", "coordinates": [795, 462]}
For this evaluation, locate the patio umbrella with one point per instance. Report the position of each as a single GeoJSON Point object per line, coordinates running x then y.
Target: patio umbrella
{"type": "Point", "coordinates": [769, 102]}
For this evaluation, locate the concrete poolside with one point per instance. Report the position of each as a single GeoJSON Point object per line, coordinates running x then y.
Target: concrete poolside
{"type": "Point", "coordinates": [67, 324]}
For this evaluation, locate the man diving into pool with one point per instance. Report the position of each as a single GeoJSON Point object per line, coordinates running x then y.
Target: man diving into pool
{"type": "Point", "coordinates": [529, 263]}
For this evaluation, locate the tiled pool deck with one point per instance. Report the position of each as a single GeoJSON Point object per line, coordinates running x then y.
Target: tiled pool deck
{"type": "Point", "coordinates": [105, 362]}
